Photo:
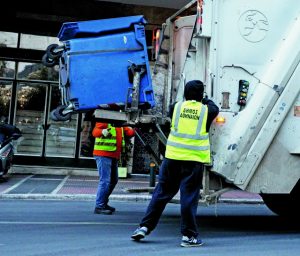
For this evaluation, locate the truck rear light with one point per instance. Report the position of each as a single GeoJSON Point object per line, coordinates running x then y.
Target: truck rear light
{"type": "Point", "coordinates": [243, 92]}
{"type": "Point", "coordinates": [220, 119]}
{"type": "Point", "coordinates": [156, 37]}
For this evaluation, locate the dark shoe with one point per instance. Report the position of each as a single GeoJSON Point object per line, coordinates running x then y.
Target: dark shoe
{"type": "Point", "coordinates": [190, 242]}
{"type": "Point", "coordinates": [102, 211]}
{"type": "Point", "coordinates": [113, 209]}
{"type": "Point", "coordinates": [139, 233]}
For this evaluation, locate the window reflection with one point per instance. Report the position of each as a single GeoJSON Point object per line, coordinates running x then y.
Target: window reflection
{"type": "Point", "coordinates": [61, 136]}
{"type": "Point", "coordinates": [8, 39]}
{"type": "Point", "coordinates": [37, 71]}
{"type": "Point", "coordinates": [7, 69]}
{"type": "Point", "coordinates": [36, 42]}
{"type": "Point", "coordinates": [5, 98]}
{"type": "Point", "coordinates": [30, 117]}
{"type": "Point", "coordinates": [87, 140]}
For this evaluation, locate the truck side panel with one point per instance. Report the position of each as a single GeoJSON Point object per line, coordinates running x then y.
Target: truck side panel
{"type": "Point", "coordinates": [266, 59]}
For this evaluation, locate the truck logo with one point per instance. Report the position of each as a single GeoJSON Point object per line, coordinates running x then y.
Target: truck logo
{"type": "Point", "coordinates": [253, 26]}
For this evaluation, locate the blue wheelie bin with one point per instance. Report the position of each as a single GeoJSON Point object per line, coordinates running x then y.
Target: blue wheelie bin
{"type": "Point", "coordinates": [98, 63]}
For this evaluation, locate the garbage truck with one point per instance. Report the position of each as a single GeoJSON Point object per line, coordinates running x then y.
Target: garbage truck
{"type": "Point", "coordinates": [247, 54]}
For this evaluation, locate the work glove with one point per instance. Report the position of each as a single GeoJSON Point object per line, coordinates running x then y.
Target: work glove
{"type": "Point", "coordinates": [106, 133]}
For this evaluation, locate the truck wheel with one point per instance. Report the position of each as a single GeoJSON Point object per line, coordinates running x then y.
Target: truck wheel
{"type": "Point", "coordinates": [281, 204]}
{"type": "Point", "coordinates": [57, 114]}
{"type": "Point", "coordinates": [284, 204]}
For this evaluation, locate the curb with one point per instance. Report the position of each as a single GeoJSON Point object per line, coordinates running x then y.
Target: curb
{"type": "Point", "coordinates": [128, 198]}
{"type": "Point", "coordinates": [241, 201]}
{"type": "Point", "coordinates": [77, 197]}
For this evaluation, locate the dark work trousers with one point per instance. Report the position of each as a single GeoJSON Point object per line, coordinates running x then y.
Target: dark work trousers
{"type": "Point", "coordinates": [175, 175]}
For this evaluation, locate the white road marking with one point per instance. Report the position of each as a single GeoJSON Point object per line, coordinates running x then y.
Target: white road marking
{"type": "Point", "coordinates": [17, 184]}
{"type": "Point", "coordinates": [60, 185]}
{"type": "Point", "coordinates": [44, 179]}
{"type": "Point", "coordinates": [64, 223]}
{"type": "Point", "coordinates": [97, 180]}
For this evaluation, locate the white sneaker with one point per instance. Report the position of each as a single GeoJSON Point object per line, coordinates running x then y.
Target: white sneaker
{"type": "Point", "coordinates": [190, 241]}
{"type": "Point", "coordinates": [139, 233]}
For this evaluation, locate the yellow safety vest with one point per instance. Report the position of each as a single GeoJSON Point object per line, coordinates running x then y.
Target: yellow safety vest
{"type": "Point", "coordinates": [108, 143]}
{"type": "Point", "coordinates": [188, 139]}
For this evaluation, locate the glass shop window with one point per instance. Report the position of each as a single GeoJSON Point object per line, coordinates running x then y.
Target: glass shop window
{"type": "Point", "coordinates": [8, 39]}
{"type": "Point", "coordinates": [37, 71]}
{"type": "Point", "coordinates": [36, 42]}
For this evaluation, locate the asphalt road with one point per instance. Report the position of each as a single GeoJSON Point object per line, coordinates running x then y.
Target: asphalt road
{"type": "Point", "coordinates": [39, 227]}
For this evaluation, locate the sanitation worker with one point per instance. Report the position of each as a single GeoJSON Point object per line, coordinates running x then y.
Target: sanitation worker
{"type": "Point", "coordinates": [109, 142]}
{"type": "Point", "coordinates": [187, 150]}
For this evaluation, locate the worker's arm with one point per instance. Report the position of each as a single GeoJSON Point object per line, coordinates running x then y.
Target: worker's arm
{"type": "Point", "coordinates": [213, 111]}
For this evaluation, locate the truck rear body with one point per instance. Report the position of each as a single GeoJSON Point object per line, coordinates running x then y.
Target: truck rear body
{"type": "Point", "coordinates": [248, 56]}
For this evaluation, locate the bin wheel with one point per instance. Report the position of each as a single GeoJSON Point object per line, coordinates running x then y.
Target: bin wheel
{"type": "Point", "coordinates": [48, 62]}
{"type": "Point", "coordinates": [57, 114]}
{"type": "Point", "coordinates": [51, 53]}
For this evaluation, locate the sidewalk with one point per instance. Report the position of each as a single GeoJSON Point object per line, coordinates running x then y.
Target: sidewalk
{"type": "Point", "coordinates": [83, 187]}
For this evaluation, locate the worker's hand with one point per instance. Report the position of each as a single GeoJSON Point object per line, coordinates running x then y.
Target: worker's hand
{"type": "Point", "coordinates": [106, 133]}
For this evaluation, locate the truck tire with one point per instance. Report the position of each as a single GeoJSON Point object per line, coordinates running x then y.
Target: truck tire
{"type": "Point", "coordinates": [284, 204]}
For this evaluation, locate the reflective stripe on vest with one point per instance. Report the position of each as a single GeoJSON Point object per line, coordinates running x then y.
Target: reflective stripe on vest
{"type": "Point", "coordinates": [188, 139]}
{"type": "Point", "coordinates": [108, 143]}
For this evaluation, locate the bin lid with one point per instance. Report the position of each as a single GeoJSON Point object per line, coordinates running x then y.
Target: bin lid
{"type": "Point", "coordinates": [70, 30]}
